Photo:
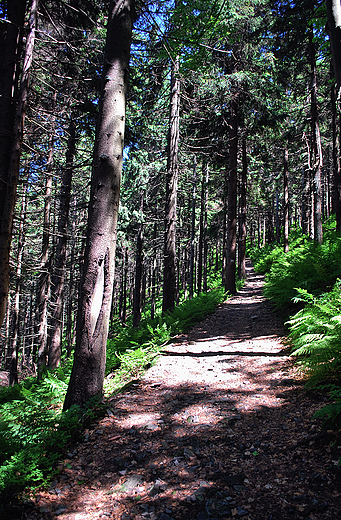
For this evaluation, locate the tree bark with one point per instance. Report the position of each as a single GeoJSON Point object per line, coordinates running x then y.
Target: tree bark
{"type": "Point", "coordinates": [230, 282]}
{"type": "Point", "coordinates": [137, 301]}
{"type": "Point", "coordinates": [88, 369]}
{"type": "Point", "coordinates": [191, 267]}
{"type": "Point", "coordinates": [285, 203]}
{"type": "Point", "coordinates": [14, 348]}
{"type": "Point", "coordinates": [44, 282]}
{"type": "Point", "coordinates": [72, 291]}
{"type": "Point", "coordinates": [316, 145]}
{"type": "Point", "coordinates": [169, 275]}
{"type": "Point", "coordinates": [206, 173]}
{"type": "Point", "coordinates": [154, 267]}
{"type": "Point", "coordinates": [201, 230]}
{"type": "Point", "coordinates": [336, 163]}
{"type": "Point", "coordinates": [12, 114]}
{"type": "Point", "coordinates": [334, 29]}
{"type": "Point", "coordinates": [57, 282]}
{"type": "Point", "coordinates": [242, 215]}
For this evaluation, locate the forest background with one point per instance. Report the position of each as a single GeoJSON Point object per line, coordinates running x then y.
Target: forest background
{"type": "Point", "coordinates": [232, 138]}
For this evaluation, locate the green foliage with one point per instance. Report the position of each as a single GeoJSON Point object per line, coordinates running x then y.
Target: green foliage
{"type": "Point", "coordinates": [33, 431]}
{"type": "Point", "coordinates": [307, 265]}
{"type": "Point", "coordinates": [331, 413]}
{"type": "Point", "coordinates": [315, 332]}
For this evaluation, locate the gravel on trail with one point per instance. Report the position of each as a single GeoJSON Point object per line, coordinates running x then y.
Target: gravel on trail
{"type": "Point", "coordinates": [220, 428]}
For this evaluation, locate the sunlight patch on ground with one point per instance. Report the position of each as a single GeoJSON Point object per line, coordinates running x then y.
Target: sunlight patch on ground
{"type": "Point", "coordinates": [138, 420]}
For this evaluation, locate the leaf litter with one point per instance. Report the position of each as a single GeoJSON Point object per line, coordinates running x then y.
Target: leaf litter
{"type": "Point", "coordinates": [220, 428]}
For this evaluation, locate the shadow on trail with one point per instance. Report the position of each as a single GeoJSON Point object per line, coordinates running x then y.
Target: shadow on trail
{"type": "Point", "coordinates": [225, 353]}
{"type": "Point", "coordinates": [196, 455]}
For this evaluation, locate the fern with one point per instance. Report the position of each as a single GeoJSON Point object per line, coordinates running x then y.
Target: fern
{"type": "Point", "coordinates": [315, 332]}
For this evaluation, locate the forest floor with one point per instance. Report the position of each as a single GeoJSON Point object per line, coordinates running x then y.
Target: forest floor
{"type": "Point", "coordinates": [220, 428]}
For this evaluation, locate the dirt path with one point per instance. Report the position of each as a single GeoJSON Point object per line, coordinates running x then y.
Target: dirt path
{"type": "Point", "coordinates": [220, 428]}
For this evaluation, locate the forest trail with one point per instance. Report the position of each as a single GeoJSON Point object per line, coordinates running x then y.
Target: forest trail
{"type": "Point", "coordinates": [219, 428]}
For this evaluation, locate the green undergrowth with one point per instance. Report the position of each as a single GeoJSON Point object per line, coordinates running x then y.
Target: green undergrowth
{"type": "Point", "coordinates": [35, 433]}
{"type": "Point", "coordinates": [305, 282]}
{"type": "Point", "coordinates": [307, 265]}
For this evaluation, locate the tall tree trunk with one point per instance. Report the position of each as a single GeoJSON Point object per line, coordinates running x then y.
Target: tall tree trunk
{"type": "Point", "coordinates": [334, 29]}
{"type": "Point", "coordinates": [277, 220]}
{"type": "Point", "coordinates": [230, 282]}
{"type": "Point", "coordinates": [12, 116]}
{"type": "Point", "coordinates": [71, 292]}
{"type": "Point", "coordinates": [137, 301]}
{"type": "Point", "coordinates": [124, 287]}
{"type": "Point", "coordinates": [316, 145]}
{"type": "Point", "coordinates": [191, 267]}
{"type": "Point", "coordinates": [305, 202]}
{"type": "Point", "coordinates": [13, 371]}
{"type": "Point", "coordinates": [169, 276]}
{"type": "Point", "coordinates": [224, 226]}
{"type": "Point", "coordinates": [57, 283]}
{"type": "Point", "coordinates": [286, 202]}
{"type": "Point", "coordinates": [201, 230]}
{"type": "Point", "coordinates": [154, 267]}
{"type": "Point", "coordinates": [97, 284]}
{"type": "Point", "coordinates": [205, 230]}
{"type": "Point", "coordinates": [44, 282]}
{"type": "Point", "coordinates": [242, 214]}
{"type": "Point", "coordinates": [336, 163]}
{"type": "Point", "coordinates": [7, 345]}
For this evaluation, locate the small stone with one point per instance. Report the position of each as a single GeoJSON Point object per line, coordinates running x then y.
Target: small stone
{"type": "Point", "coordinates": [188, 453]}
{"type": "Point", "coordinates": [131, 483]}
{"type": "Point", "coordinates": [151, 427]}
{"type": "Point", "coordinates": [60, 510]}
{"type": "Point", "coordinates": [164, 516]}
{"type": "Point", "coordinates": [235, 480]}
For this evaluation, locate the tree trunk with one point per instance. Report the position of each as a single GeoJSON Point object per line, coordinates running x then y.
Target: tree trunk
{"type": "Point", "coordinates": [12, 116]}
{"type": "Point", "coordinates": [334, 29]}
{"type": "Point", "coordinates": [305, 202]}
{"type": "Point", "coordinates": [124, 287]}
{"type": "Point", "coordinates": [154, 267]}
{"type": "Point", "coordinates": [57, 283]}
{"type": "Point", "coordinates": [169, 276]}
{"type": "Point", "coordinates": [201, 230]}
{"type": "Point", "coordinates": [14, 348]}
{"type": "Point", "coordinates": [191, 268]}
{"type": "Point", "coordinates": [71, 292]}
{"type": "Point", "coordinates": [316, 145]}
{"type": "Point", "coordinates": [224, 243]}
{"type": "Point", "coordinates": [205, 230]}
{"type": "Point", "coordinates": [137, 303]}
{"type": "Point", "coordinates": [44, 282]}
{"type": "Point", "coordinates": [230, 282]}
{"type": "Point", "coordinates": [97, 284]}
{"type": "Point", "coordinates": [242, 213]}
{"type": "Point", "coordinates": [286, 202]}
{"type": "Point", "coordinates": [336, 163]}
